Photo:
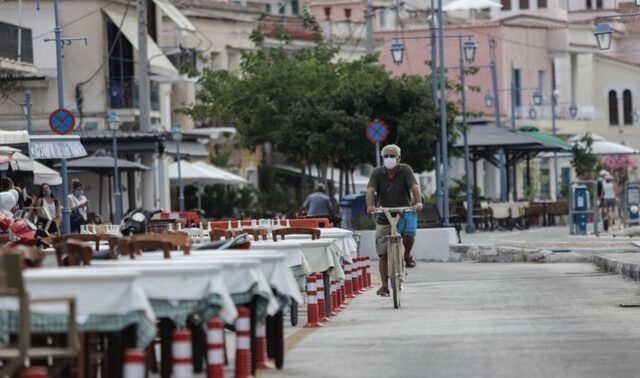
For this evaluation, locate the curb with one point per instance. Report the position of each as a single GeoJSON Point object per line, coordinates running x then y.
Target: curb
{"type": "Point", "coordinates": [485, 253]}
{"type": "Point", "coordinates": [629, 270]}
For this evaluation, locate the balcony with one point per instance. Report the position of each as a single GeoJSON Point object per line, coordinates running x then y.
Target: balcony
{"type": "Point", "coordinates": [10, 60]}
{"type": "Point", "coordinates": [123, 94]}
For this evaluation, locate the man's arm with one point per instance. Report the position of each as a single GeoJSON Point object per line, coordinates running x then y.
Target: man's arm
{"type": "Point", "coordinates": [417, 198]}
{"type": "Point", "coordinates": [370, 199]}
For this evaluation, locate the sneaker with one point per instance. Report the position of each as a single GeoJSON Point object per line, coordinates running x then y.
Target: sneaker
{"type": "Point", "coordinates": [383, 292]}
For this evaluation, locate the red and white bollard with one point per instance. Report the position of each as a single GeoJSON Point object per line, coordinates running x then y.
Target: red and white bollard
{"type": "Point", "coordinates": [361, 279]}
{"type": "Point", "coordinates": [322, 309]}
{"type": "Point", "coordinates": [348, 282]}
{"type": "Point", "coordinates": [341, 295]}
{"type": "Point", "coordinates": [36, 372]}
{"type": "Point", "coordinates": [334, 299]}
{"type": "Point", "coordinates": [312, 303]}
{"type": "Point", "coordinates": [367, 273]}
{"type": "Point", "coordinates": [181, 353]}
{"type": "Point", "coordinates": [243, 344]}
{"type": "Point", "coordinates": [215, 349]}
{"type": "Point", "coordinates": [354, 276]}
{"type": "Point", "coordinates": [133, 363]}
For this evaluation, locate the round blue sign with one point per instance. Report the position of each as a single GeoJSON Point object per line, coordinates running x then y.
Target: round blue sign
{"type": "Point", "coordinates": [377, 132]}
{"type": "Point", "coordinates": [62, 121]}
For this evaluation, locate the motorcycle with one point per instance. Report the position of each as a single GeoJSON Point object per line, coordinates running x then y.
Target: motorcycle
{"type": "Point", "coordinates": [239, 242]}
{"type": "Point", "coordinates": [136, 221]}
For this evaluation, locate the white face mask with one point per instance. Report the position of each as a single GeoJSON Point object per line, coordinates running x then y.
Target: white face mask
{"type": "Point", "coordinates": [390, 163]}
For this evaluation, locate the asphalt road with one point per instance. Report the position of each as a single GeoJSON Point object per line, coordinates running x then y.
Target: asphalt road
{"type": "Point", "coordinates": [482, 320]}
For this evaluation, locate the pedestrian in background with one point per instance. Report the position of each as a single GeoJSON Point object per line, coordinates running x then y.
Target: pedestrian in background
{"type": "Point", "coordinates": [608, 201]}
{"type": "Point", "coordinates": [48, 210]}
{"type": "Point", "coordinates": [79, 206]}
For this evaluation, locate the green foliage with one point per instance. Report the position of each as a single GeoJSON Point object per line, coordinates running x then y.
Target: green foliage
{"type": "Point", "coordinates": [275, 196]}
{"type": "Point", "coordinates": [584, 161]}
{"type": "Point", "coordinates": [223, 201]}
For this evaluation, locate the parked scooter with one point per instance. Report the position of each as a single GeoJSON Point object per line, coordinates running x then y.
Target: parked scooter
{"type": "Point", "coordinates": [239, 242]}
{"type": "Point", "coordinates": [136, 221]}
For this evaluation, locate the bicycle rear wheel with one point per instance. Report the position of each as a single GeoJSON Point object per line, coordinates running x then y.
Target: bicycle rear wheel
{"type": "Point", "coordinates": [394, 275]}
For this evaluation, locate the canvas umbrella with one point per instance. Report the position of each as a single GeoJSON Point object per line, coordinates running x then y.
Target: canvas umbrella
{"type": "Point", "coordinates": [470, 4]}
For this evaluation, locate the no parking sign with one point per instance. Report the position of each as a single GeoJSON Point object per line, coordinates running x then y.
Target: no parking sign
{"type": "Point", "coordinates": [62, 121]}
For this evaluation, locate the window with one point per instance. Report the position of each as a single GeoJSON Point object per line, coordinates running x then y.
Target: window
{"type": "Point", "coordinates": [588, 4]}
{"type": "Point", "coordinates": [599, 4]}
{"type": "Point", "coordinates": [565, 177]}
{"type": "Point", "coordinates": [282, 8]}
{"type": "Point", "coordinates": [627, 107]}
{"type": "Point", "coordinates": [517, 98]}
{"type": "Point", "coordinates": [542, 4]}
{"type": "Point", "coordinates": [545, 182]}
{"type": "Point", "coordinates": [295, 8]}
{"type": "Point", "coordinates": [524, 4]}
{"type": "Point", "coordinates": [542, 78]}
{"type": "Point", "coordinates": [506, 5]}
{"type": "Point", "coordinates": [613, 108]}
{"type": "Point", "coordinates": [381, 18]}
{"type": "Point", "coordinates": [267, 8]}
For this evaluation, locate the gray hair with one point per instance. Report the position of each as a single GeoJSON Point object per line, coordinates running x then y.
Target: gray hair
{"type": "Point", "coordinates": [390, 147]}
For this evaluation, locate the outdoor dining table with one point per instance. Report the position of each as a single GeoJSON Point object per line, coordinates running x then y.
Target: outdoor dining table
{"type": "Point", "coordinates": [107, 300]}
{"type": "Point", "coordinates": [50, 253]}
{"type": "Point", "coordinates": [343, 238]}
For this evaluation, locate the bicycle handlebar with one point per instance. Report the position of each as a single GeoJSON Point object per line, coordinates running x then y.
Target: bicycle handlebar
{"type": "Point", "coordinates": [403, 209]}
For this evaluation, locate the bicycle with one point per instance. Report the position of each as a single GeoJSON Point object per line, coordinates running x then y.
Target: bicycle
{"type": "Point", "coordinates": [395, 257]}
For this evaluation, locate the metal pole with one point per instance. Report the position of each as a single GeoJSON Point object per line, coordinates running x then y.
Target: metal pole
{"type": "Point", "coordinates": [443, 122]}
{"type": "Point", "coordinates": [180, 184]}
{"type": "Point", "coordinates": [370, 43]}
{"type": "Point", "coordinates": [496, 107]}
{"type": "Point", "coordinates": [143, 66]}
{"type": "Point", "coordinates": [27, 101]}
{"type": "Point", "coordinates": [434, 89]}
{"type": "Point", "coordinates": [513, 99]}
{"type": "Point", "coordinates": [377, 154]}
{"type": "Point", "coordinates": [66, 212]}
{"type": "Point", "coordinates": [116, 175]}
{"type": "Point", "coordinates": [469, 226]}
{"type": "Point", "coordinates": [554, 131]}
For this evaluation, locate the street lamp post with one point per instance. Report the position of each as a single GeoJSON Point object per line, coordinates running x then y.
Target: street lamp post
{"type": "Point", "coordinates": [443, 120]}
{"type": "Point", "coordinates": [176, 133]}
{"type": "Point", "coordinates": [434, 94]}
{"type": "Point", "coordinates": [467, 52]}
{"type": "Point", "coordinates": [27, 109]}
{"type": "Point", "coordinates": [114, 124]}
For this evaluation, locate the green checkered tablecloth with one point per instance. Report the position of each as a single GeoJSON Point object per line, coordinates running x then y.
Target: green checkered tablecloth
{"type": "Point", "coordinates": [57, 323]}
{"type": "Point", "coordinates": [179, 311]}
{"type": "Point", "coordinates": [261, 298]}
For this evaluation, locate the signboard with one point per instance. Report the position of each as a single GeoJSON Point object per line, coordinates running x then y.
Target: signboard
{"type": "Point", "coordinates": [62, 121]}
{"type": "Point", "coordinates": [377, 131]}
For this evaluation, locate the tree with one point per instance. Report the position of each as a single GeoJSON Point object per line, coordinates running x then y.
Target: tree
{"type": "Point", "coordinates": [584, 161]}
{"type": "Point", "coordinates": [619, 167]}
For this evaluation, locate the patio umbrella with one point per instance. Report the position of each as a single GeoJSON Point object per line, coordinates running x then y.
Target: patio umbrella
{"type": "Point", "coordinates": [201, 174]}
{"type": "Point", "coordinates": [470, 4]}
{"type": "Point", "coordinates": [602, 146]}
{"type": "Point", "coordinates": [41, 173]}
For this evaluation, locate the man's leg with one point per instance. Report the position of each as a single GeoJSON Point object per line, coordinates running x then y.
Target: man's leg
{"type": "Point", "coordinates": [383, 266]}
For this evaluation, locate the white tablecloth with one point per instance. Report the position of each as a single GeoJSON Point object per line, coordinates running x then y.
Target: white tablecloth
{"type": "Point", "coordinates": [321, 255]}
{"type": "Point", "coordinates": [240, 274]}
{"type": "Point", "coordinates": [343, 238]}
{"type": "Point", "coordinates": [97, 292]}
{"type": "Point", "coordinates": [50, 254]}
{"type": "Point", "coordinates": [272, 262]}
{"type": "Point", "coordinates": [293, 251]}
{"type": "Point", "coordinates": [179, 282]}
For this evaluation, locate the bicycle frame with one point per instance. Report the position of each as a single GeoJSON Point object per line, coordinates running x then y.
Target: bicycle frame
{"type": "Point", "coordinates": [395, 259]}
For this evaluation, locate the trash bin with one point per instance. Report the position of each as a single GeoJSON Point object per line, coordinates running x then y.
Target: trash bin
{"type": "Point", "coordinates": [580, 207]}
{"type": "Point", "coordinates": [352, 207]}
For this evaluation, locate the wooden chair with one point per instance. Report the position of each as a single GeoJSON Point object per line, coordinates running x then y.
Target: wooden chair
{"type": "Point", "coordinates": [113, 244]}
{"type": "Point", "coordinates": [218, 234]}
{"type": "Point", "coordinates": [314, 232]}
{"type": "Point", "coordinates": [32, 256]}
{"type": "Point", "coordinates": [257, 233]}
{"type": "Point", "coordinates": [178, 239]}
{"type": "Point", "coordinates": [72, 253]}
{"type": "Point", "coordinates": [137, 246]}
{"type": "Point", "coordinates": [13, 357]}
{"type": "Point", "coordinates": [78, 237]}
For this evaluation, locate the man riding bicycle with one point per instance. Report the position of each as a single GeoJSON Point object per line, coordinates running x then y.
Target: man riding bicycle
{"type": "Point", "coordinates": [393, 184]}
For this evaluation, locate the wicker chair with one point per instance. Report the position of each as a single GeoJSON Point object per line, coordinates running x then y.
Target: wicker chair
{"type": "Point", "coordinates": [257, 233]}
{"type": "Point", "coordinates": [218, 234]}
{"type": "Point", "coordinates": [71, 253]}
{"type": "Point", "coordinates": [78, 237]}
{"type": "Point", "coordinates": [137, 246]}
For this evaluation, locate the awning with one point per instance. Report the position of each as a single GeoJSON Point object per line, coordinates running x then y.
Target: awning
{"type": "Point", "coordinates": [193, 149]}
{"type": "Point", "coordinates": [13, 137]}
{"type": "Point", "coordinates": [202, 174]}
{"type": "Point", "coordinates": [159, 62]}
{"type": "Point", "coordinates": [41, 173]}
{"type": "Point", "coordinates": [55, 147]}
{"type": "Point", "coordinates": [549, 140]}
{"type": "Point", "coordinates": [600, 146]}
{"type": "Point", "coordinates": [231, 178]}
{"type": "Point", "coordinates": [175, 15]}
{"type": "Point", "coordinates": [102, 164]}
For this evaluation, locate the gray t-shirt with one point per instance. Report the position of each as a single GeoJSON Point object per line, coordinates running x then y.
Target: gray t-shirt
{"type": "Point", "coordinates": [392, 192]}
{"type": "Point", "coordinates": [317, 203]}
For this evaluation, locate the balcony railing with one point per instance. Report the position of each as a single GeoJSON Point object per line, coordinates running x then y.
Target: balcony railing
{"type": "Point", "coordinates": [123, 94]}
{"type": "Point", "coordinates": [9, 43]}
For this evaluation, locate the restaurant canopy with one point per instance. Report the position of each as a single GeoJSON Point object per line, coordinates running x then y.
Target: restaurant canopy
{"type": "Point", "coordinates": [55, 147]}
{"type": "Point", "coordinates": [600, 146]}
{"type": "Point", "coordinates": [103, 164]}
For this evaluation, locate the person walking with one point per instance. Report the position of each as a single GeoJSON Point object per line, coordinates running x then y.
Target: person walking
{"type": "Point", "coordinates": [48, 210]}
{"type": "Point", "coordinates": [79, 205]}
{"type": "Point", "coordinates": [392, 185]}
{"type": "Point", "coordinates": [609, 201]}
{"type": "Point", "coordinates": [318, 203]}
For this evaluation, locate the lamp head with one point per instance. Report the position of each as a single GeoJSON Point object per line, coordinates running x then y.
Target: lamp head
{"type": "Point", "coordinates": [113, 121]}
{"type": "Point", "coordinates": [397, 52]}
{"type": "Point", "coordinates": [537, 98]}
{"type": "Point", "coordinates": [488, 99]}
{"type": "Point", "coordinates": [603, 34]}
{"type": "Point", "coordinates": [573, 110]}
{"type": "Point", "coordinates": [176, 132]}
{"type": "Point", "coordinates": [469, 48]}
